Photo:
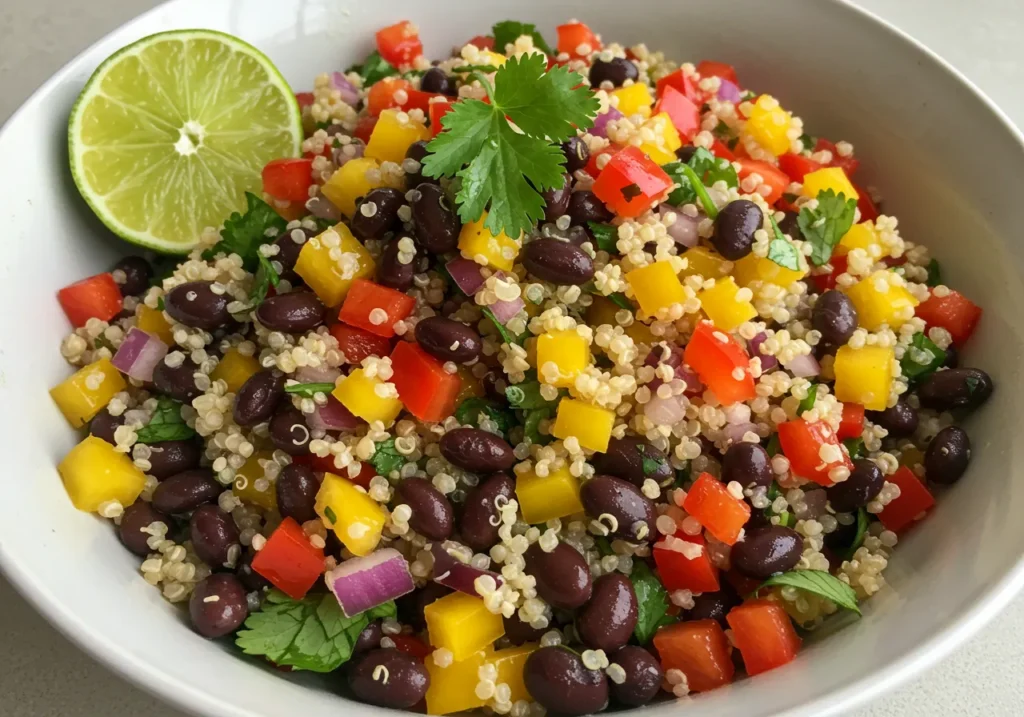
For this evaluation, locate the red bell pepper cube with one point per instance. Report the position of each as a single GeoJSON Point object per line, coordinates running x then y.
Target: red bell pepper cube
{"type": "Point", "coordinates": [802, 443]}
{"type": "Point", "coordinates": [683, 112]}
{"type": "Point", "coordinates": [721, 364]}
{"type": "Point", "coordinates": [682, 82]}
{"type": "Point", "coordinates": [700, 649]}
{"type": "Point", "coordinates": [796, 166]}
{"type": "Point", "coordinates": [98, 297]}
{"type": "Point", "coordinates": [419, 100]}
{"type": "Point", "coordinates": [762, 631]}
{"type": "Point", "coordinates": [592, 163]}
{"type": "Point", "coordinates": [412, 645]}
{"type": "Point", "coordinates": [426, 389]}
{"type": "Point", "coordinates": [400, 43]}
{"type": "Point", "coordinates": [289, 561]}
{"type": "Point", "coordinates": [849, 165]}
{"type": "Point", "coordinates": [710, 68]}
{"type": "Point", "coordinates": [305, 99]}
{"type": "Point", "coordinates": [364, 127]}
{"type": "Point", "coordinates": [824, 282]}
{"type": "Point", "coordinates": [954, 312]}
{"type": "Point", "coordinates": [722, 151]}
{"type": "Point", "coordinates": [357, 343]}
{"type": "Point", "coordinates": [288, 179]}
{"type": "Point", "coordinates": [852, 423]}
{"type": "Point", "coordinates": [437, 110]}
{"type": "Point", "coordinates": [574, 34]}
{"type": "Point", "coordinates": [678, 572]}
{"type": "Point", "coordinates": [382, 95]}
{"type": "Point", "coordinates": [375, 308]}
{"type": "Point", "coordinates": [868, 211]}
{"type": "Point", "coordinates": [915, 500]}
{"type": "Point", "coordinates": [775, 178]}
{"type": "Point", "coordinates": [718, 510]}
{"type": "Point", "coordinates": [483, 42]}
{"type": "Point", "coordinates": [631, 182]}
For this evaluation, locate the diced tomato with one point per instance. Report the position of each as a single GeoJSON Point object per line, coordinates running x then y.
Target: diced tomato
{"type": "Point", "coordinates": [719, 360]}
{"type": "Point", "coordinates": [411, 645]}
{"type": "Point", "coordinates": [718, 510]}
{"type": "Point", "coordinates": [358, 343]}
{"type": "Point", "coordinates": [305, 99]}
{"type": "Point", "coordinates": [382, 95]}
{"type": "Point", "coordinates": [571, 36]}
{"type": "Point", "coordinates": [288, 179]}
{"type": "Point", "coordinates": [289, 561]}
{"type": "Point", "coordinates": [592, 165]}
{"type": "Point", "coordinates": [709, 68]}
{"type": "Point", "coordinates": [721, 150]}
{"type": "Point", "coordinates": [824, 282]}
{"type": "Point", "coordinates": [868, 211]}
{"type": "Point", "coordinates": [775, 178]}
{"type": "Point", "coordinates": [678, 572]}
{"type": "Point", "coordinates": [400, 43]}
{"type": "Point", "coordinates": [852, 423]}
{"type": "Point", "coordinates": [915, 500]}
{"type": "Point", "coordinates": [419, 100]}
{"type": "Point", "coordinates": [796, 166]}
{"type": "Point", "coordinates": [426, 389]}
{"type": "Point", "coordinates": [681, 82]}
{"type": "Point", "coordinates": [849, 165]}
{"type": "Point", "coordinates": [631, 182]}
{"type": "Point", "coordinates": [482, 42]}
{"type": "Point", "coordinates": [97, 297]}
{"type": "Point", "coordinates": [954, 312]}
{"type": "Point", "coordinates": [375, 308]}
{"type": "Point", "coordinates": [762, 631]}
{"type": "Point", "coordinates": [802, 443]}
{"type": "Point", "coordinates": [700, 649]}
{"type": "Point", "coordinates": [364, 127]}
{"type": "Point", "coordinates": [685, 115]}
{"type": "Point", "coordinates": [437, 110]}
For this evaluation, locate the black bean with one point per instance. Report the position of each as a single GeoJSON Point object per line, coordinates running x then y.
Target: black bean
{"type": "Point", "coordinates": [195, 304]}
{"type": "Point", "coordinates": [253, 581]}
{"type": "Point", "coordinates": [186, 491]}
{"type": "Point", "coordinates": [137, 274]}
{"type": "Point", "coordinates": [388, 678]}
{"type": "Point", "coordinates": [218, 606]}
{"type": "Point", "coordinates": [290, 249]}
{"type": "Point", "coordinates": [556, 201]}
{"type": "Point", "coordinates": [563, 576]}
{"type": "Point", "coordinates": [369, 638]}
{"type": "Point", "coordinates": [289, 432]}
{"type": "Point", "coordinates": [616, 71]}
{"type": "Point", "coordinates": [557, 261]}
{"type": "Point", "coordinates": [577, 154]}
{"type": "Point", "coordinates": [634, 459]}
{"type": "Point", "coordinates": [178, 382]}
{"type": "Point", "coordinates": [748, 464]}
{"type": "Point", "coordinates": [835, 316]}
{"type": "Point", "coordinates": [410, 606]}
{"type": "Point", "coordinates": [393, 273]}
{"type": "Point", "coordinates": [258, 398]}
{"type": "Point", "coordinates": [105, 424]}
{"type": "Point", "coordinates": [790, 226]}
{"type": "Point", "coordinates": [168, 458]}
{"type": "Point", "coordinates": [437, 80]}
{"type": "Point", "coordinates": [292, 313]}
{"type": "Point", "coordinates": [633, 511]}
{"type": "Point", "coordinates": [606, 622]}
{"type": "Point", "coordinates": [519, 632]}
{"type": "Point", "coordinates": [213, 534]}
{"type": "Point", "coordinates": [448, 340]}
{"type": "Point", "coordinates": [955, 388]}
{"type": "Point", "coordinates": [585, 207]}
{"type": "Point", "coordinates": [643, 676]}
{"type": "Point", "coordinates": [557, 678]}
{"type": "Point", "coordinates": [138, 516]}
{"type": "Point", "coordinates": [714, 606]}
{"type": "Point", "coordinates": [377, 213]}
{"type": "Point", "coordinates": [296, 488]}
{"type": "Point", "coordinates": [947, 456]}
{"type": "Point", "coordinates": [437, 224]}
{"type": "Point", "coordinates": [685, 153]}
{"type": "Point", "coordinates": [767, 550]}
{"type": "Point", "coordinates": [417, 151]}
{"type": "Point", "coordinates": [477, 451]}
{"type": "Point", "coordinates": [432, 514]}
{"type": "Point", "coordinates": [952, 357]}
{"type": "Point", "coordinates": [900, 420]}
{"type": "Point", "coordinates": [865, 481]}
{"type": "Point", "coordinates": [479, 509]}
{"type": "Point", "coordinates": [734, 228]}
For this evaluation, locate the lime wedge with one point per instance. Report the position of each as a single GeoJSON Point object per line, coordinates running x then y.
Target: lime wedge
{"type": "Point", "coordinates": [171, 131]}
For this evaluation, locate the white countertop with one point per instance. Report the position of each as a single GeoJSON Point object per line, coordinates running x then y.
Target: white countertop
{"type": "Point", "coordinates": [43, 674]}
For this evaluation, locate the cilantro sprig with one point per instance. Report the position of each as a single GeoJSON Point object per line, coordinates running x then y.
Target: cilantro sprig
{"type": "Point", "coordinates": [244, 234]}
{"type": "Point", "coordinates": [508, 31]}
{"type": "Point", "coordinates": [166, 424]}
{"type": "Point", "coordinates": [781, 250]}
{"type": "Point", "coordinates": [825, 225]}
{"type": "Point", "coordinates": [702, 169]}
{"type": "Point", "coordinates": [308, 390]}
{"type": "Point", "coordinates": [266, 276]}
{"type": "Point", "coordinates": [386, 458]}
{"type": "Point", "coordinates": [373, 69]}
{"type": "Point", "coordinates": [922, 358]}
{"type": "Point", "coordinates": [651, 602]}
{"type": "Point", "coordinates": [526, 397]}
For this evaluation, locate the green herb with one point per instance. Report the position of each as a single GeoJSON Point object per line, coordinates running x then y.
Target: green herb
{"type": "Point", "coordinates": [819, 583]}
{"type": "Point", "coordinates": [701, 191]}
{"type": "Point", "coordinates": [467, 69]}
{"type": "Point", "coordinates": [386, 458]}
{"type": "Point", "coordinates": [508, 31]}
{"type": "Point", "coordinates": [790, 199]}
{"type": "Point", "coordinates": [373, 69]}
{"type": "Point", "coordinates": [708, 168]}
{"type": "Point", "coordinates": [166, 424]}
{"type": "Point", "coordinates": [682, 477]}
{"type": "Point", "coordinates": [605, 236]}
{"type": "Point", "coordinates": [266, 276]}
{"type": "Point", "coordinates": [722, 131]}
{"type": "Point", "coordinates": [922, 358]}
{"type": "Point", "coordinates": [506, 336]}
{"type": "Point", "coordinates": [508, 168]}
{"type": "Point", "coordinates": [774, 492]}
{"type": "Point", "coordinates": [808, 402]}
{"type": "Point", "coordinates": [650, 465]}
{"type": "Point", "coordinates": [774, 447]}
{"type": "Point", "coordinates": [786, 519]}
{"type": "Point", "coordinates": [531, 425]}
{"type": "Point", "coordinates": [102, 342]}
{"type": "Point", "coordinates": [526, 396]}
{"type": "Point", "coordinates": [651, 602]}
{"type": "Point", "coordinates": [160, 304]}
{"type": "Point", "coordinates": [309, 634]}
{"type": "Point", "coordinates": [824, 226]}
{"type": "Point", "coordinates": [855, 447]}
{"type": "Point", "coordinates": [809, 141]}
{"type": "Point", "coordinates": [469, 411]}
{"type": "Point", "coordinates": [934, 273]}
{"type": "Point", "coordinates": [713, 169]}
{"type": "Point", "coordinates": [604, 547]}
{"type": "Point", "coordinates": [330, 515]}
{"type": "Point", "coordinates": [781, 250]}
{"type": "Point", "coordinates": [620, 300]}
{"type": "Point", "coordinates": [858, 538]}
{"type": "Point", "coordinates": [244, 234]}
{"type": "Point", "coordinates": [308, 390]}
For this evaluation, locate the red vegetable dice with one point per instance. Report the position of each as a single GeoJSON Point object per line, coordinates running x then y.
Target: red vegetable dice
{"type": "Point", "coordinates": [868, 211]}
{"type": "Point", "coordinates": [852, 423]}
{"type": "Point", "coordinates": [289, 561]}
{"type": "Point", "coordinates": [426, 389]}
{"type": "Point", "coordinates": [954, 312]}
{"type": "Point", "coordinates": [305, 99]}
{"type": "Point", "coordinates": [357, 344]}
{"type": "Point", "coordinates": [400, 43]}
{"type": "Point", "coordinates": [718, 510]}
{"type": "Point", "coordinates": [364, 127]}
{"type": "Point", "coordinates": [709, 68]}
{"type": "Point", "coordinates": [849, 165]}
{"type": "Point", "coordinates": [915, 500]}
{"type": "Point", "coordinates": [375, 308]}
{"type": "Point", "coordinates": [681, 82]}
{"type": "Point", "coordinates": [288, 179]}
{"type": "Point", "coordinates": [803, 443]}
{"type": "Point", "coordinates": [420, 100]}
{"type": "Point", "coordinates": [97, 297]}
{"type": "Point", "coordinates": [762, 631]}
{"type": "Point", "coordinates": [412, 645]}
{"type": "Point", "coordinates": [437, 110]}
{"type": "Point", "coordinates": [631, 182]}
{"type": "Point", "coordinates": [683, 112]}
{"type": "Point", "coordinates": [678, 572]}
{"type": "Point", "coordinates": [700, 649]}
{"type": "Point", "coordinates": [483, 42]}
{"type": "Point", "coordinates": [770, 175]}
{"type": "Point", "coordinates": [824, 282]}
{"type": "Point", "coordinates": [721, 363]}
{"type": "Point", "coordinates": [574, 34]}
{"type": "Point", "coordinates": [722, 151]}
{"type": "Point", "coordinates": [796, 166]}
{"type": "Point", "coordinates": [382, 95]}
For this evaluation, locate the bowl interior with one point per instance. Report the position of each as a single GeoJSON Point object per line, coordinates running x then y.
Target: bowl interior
{"type": "Point", "coordinates": [846, 75]}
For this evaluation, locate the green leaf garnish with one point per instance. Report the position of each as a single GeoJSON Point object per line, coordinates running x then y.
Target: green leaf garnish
{"type": "Point", "coordinates": [373, 69]}
{"type": "Point", "coordinates": [266, 276]}
{"type": "Point", "coordinates": [650, 465]}
{"type": "Point", "coordinates": [824, 226]}
{"type": "Point", "coordinates": [166, 424]}
{"type": "Point", "coordinates": [308, 390]}
{"type": "Point", "coordinates": [858, 538]}
{"type": "Point", "coordinates": [386, 458]}
{"type": "Point", "coordinates": [774, 447]}
{"type": "Point", "coordinates": [808, 402]}
{"type": "Point", "coordinates": [330, 515]}
{"type": "Point", "coordinates": [469, 411]}
{"type": "Point", "coordinates": [819, 583]}
{"type": "Point", "coordinates": [506, 336]}
{"type": "Point", "coordinates": [855, 447]}
{"type": "Point", "coordinates": [701, 191]}
{"type": "Point", "coordinates": [604, 547]}
{"type": "Point", "coordinates": [531, 425]}
{"type": "Point", "coordinates": [526, 395]}
{"type": "Point", "coordinates": [934, 273]}
{"type": "Point", "coordinates": [605, 236]}
{"type": "Point", "coordinates": [781, 250]}
{"type": "Point", "coordinates": [651, 602]}
{"type": "Point", "coordinates": [809, 141]}
{"type": "Point", "coordinates": [507, 32]}
{"type": "Point", "coordinates": [244, 234]}
{"type": "Point", "coordinates": [620, 300]}
{"type": "Point", "coordinates": [922, 358]}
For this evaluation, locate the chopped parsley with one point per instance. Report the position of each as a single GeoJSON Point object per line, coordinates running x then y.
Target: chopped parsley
{"type": "Point", "coordinates": [244, 234]}
{"type": "Point", "coordinates": [922, 358]}
{"type": "Point", "coordinates": [702, 168]}
{"type": "Point", "coordinates": [526, 397]}
{"type": "Point", "coordinates": [855, 447]}
{"type": "Point", "coordinates": [166, 424]}
{"type": "Point", "coordinates": [820, 583]}
{"type": "Point", "coordinates": [858, 538]}
{"type": "Point", "coordinates": [781, 250]}
{"type": "Point", "coordinates": [373, 69]}
{"type": "Point", "coordinates": [506, 336]}
{"type": "Point", "coordinates": [605, 236]}
{"type": "Point", "coordinates": [386, 458]}
{"type": "Point", "coordinates": [266, 276]}
{"type": "Point", "coordinates": [507, 32]}
{"type": "Point", "coordinates": [774, 447]}
{"type": "Point", "coordinates": [934, 273]}
{"type": "Point", "coordinates": [808, 402]}
{"type": "Point", "coordinates": [330, 515]}
{"type": "Point", "coordinates": [469, 411]}
{"type": "Point", "coordinates": [308, 390]}
{"type": "Point", "coordinates": [651, 602]}
{"type": "Point", "coordinates": [620, 300]}
{"type": "Point", "coordinates": [825, 225]}
{"type": "Point", "coordinates": [650, 465]}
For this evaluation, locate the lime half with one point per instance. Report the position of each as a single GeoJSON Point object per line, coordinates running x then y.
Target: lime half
{"type": "Point", "coordinates": [171, 131]}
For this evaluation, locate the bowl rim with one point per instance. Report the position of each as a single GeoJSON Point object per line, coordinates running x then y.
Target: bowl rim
{"type": "Point", "coordinates": [188, 698]}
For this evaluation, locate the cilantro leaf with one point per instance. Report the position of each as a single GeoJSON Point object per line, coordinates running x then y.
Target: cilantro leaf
{"type": "Point", "coordinates": [702, 168]}
{"type": "Point", "coordinates": [774, 446]}
{"type": "Point", "coordinates": [701, 191]}
{"type": "Point", "coordinates": [531, 425]}
{"type": "Point", "coordinates": [468, 413]}
{"type": "Point", "coordinates": [855, 447]}
{"type": "Point", "coordinates": [243, 234]}
{"type": "Point", "coordinates": [651, 465]}
{"type": "Point", "coordinates": [781, 250]}
{"type": "Point", "coordinates": [507, 32]}
{"type": "Point", "coordinates": [605, 236]}
{"type": "Point", "coordinates": [620, 300]}
{"type": "Point", "coordinates": [543, 103]}
{"type": "Point", "coordinates": [809, 142]}
{"type": "Point", "coordinates": [922, 358]}
{"type": "Point", "coordinates": [266, 276]}
{"type": "Point", "coordinates": [713, 169]}
{"type": "Point", "coordinates": [308, 390]}
{"type": "Point", "coordinates": [166, 424]}
{"type": "Point", "coordinates": [808, 402]}
{"type": "Point", "coordinates": [506, 336]}
{"type": "Point", "coordinates": [858, 538]}
{"type": "Point", "coordinates": [526, 396]}
{"type": "Point", "coordinates": [603, 546]}
{"type": "Point", "coordinates": [373, 69]}
{"type": "Point", "coordinates": [819, 583]}
{"type": "Point", "coordinates": [824, 226]}
{"type": "Point", "coordinates": [651, 602]}
{"type": "Point", "coordinates": [386, 458]}
{"type": "Point", "coordinates": [934, 273]}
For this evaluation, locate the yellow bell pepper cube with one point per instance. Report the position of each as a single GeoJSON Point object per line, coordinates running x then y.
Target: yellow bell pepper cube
{"type": "Point", "coordinates": [392, 137]}
{"type": "Point", "coordinates": [476, 242]}
{"type": "Point", "coordinates": [87, 391]}
{"type": "Point", "coordinates": [492, 58]}
{"type": "Point", "coordinates": [246, 488]}
{"type": "Point", "coordinates": [592, 425]}
{"type": "Point", "coordinates": [768, 124]}
{"type": "Point", "coordinates": [510, 664]}
{"type": "Point", "coordinates": [656, 286]}
{"type": "Point", "coordinates": [635, 99]}
{"type": "Point", "coordinates": [355, 178]}
{"type": "Point", "coordinates": [833, 178]}
{"type": "Point", "coordinates": [603, 311]}
{"type": "Point", "coordinates": [703, 261]}
{"type": "Point", "coordinates": [362, 396]}
{"type": "Point", "coordinates": [881, 298]}
{"type": "Point", "coordinates": [753, 268]}
{"type": "Point", "coordinates": [330, 277]}
{"type": "Point", "coordinates": [666, 139]}
{"type": "Point", "coordinates": [356, 518]}
{"type": "Point", "coordinates": [723, 307]}
{"type": "Point", "coordinates": [461, 623]}
{"type": "Point", "coordinates": [556, 495]}
{"type": "Point", "coordinates": [94, 472]}
{"type": "Point", "coordinates": [235, 369]}
{"type": "Point", "coordinates": [861, 236]}
{"type": "Point", "coordinates": [453, 688]}
{"type": "Point", "coordinates": [152, 321]}
{"type": "Point", "coordinates": [562, 354]}
{"type": "Point", "coordinates": [864, 376]}
{"type": "Point", "coordinates": [472, 387]}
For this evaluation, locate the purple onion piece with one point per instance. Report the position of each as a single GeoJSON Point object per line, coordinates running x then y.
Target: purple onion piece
{"type": "Point", "coordinates": [735, 431]}
{"type": "Point", "coordinates": [318, 374]}
{"type": "Point", "coordinates": [684, 229]}
{"type": "Point", "coordinates": [363, 583]}
{"type": "Point", "coordinates": [665, 411]}
{"type": "Point", "coordinates": [601, 121]}
{"type": "Point", "coordinates": [767, 362]}
{"type": "Point", "coordinates": [333, 416]}
{"type": "Point", "coordinates": [452, 573]}
{"type": "Point", "coordinates": [804, 366]}
{"type": "Point", "coordinates": [729, 92]}
{"type": "Point", "coordinates": [466, 274]}
{"type": "Point", "coordinates": [349, 94]}
{"type": "Point", "coordinates": [139, 354]}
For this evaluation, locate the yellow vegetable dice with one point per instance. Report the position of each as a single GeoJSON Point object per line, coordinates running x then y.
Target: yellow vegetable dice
{"type": "Point", "coordinates": [476, 240]}
{"type": "Point", "coordinates": [359, 394]}
{"type": "Point", "coordinates": [656, 286]}
{"type": "Point", "coordinates": [95, 473]}
{"type": "Point", "coordinates": [635, 99]}
{"type": "Point", "coordinates": [562, 356]}
{"type": "Point", "coordinates": [152, 321]}
{"type": "Point", "coordinates": [472, 387]}
{"type": "Point", "coordinates": [882, 298]}
{"type": "Point", "coordinates": [235, 369]}
{"type": "Point", "coordinates": [666, 139]}
{"type": "Point", "coordinates": [87, 391]}
{"type": "Point", "coordinates": [603, 311]}
{"type": "Point", "coordinates": [592, 425]}
{"type": "Point", "coordinates": [391, 137]}
{"type": "Point", "coordinates": [861, 236]}
{"type": "Point", "coordinates": [703, 261]}
{"type": "Point", "coordinates": [250, 478]}
{"type": "Point", "coordinates": [556, 495]}
{"type": "Point", "coordinates": [355, 178]}
{"type": "Point", "coordinates": [722, 305]}
{"type": "Point", "coordinates": [461, 623]}
{"type": "Point", "coordinates": [768, 124]}
{"type": "Point", "coordinates": [330, 277]}
{"type": "Point", "coordinates": [510, 664]}
{"type": "Point", "coordinates": [864, 376]}
{"type": "Point", "coordinates": [492, 58]}
{"type": "Point", "coordinates": [356, 518]}
{"type": "Point", "coordinates": [753, 268]}
{"type": "Point", "coordinates": [833, 178]}
{"type": "Point", "coordinates": [453, 688]}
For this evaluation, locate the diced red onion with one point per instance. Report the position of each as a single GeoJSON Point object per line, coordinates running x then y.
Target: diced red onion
{"type": "Point", "coordinates": [504, 310]}
{"type": "Point", "coordinates": [729, 92]}
{"type": "Point", "coordinates": [804, 366]}
{"type": "Point", "coordinates": [452, 573]}
{"type": "Point", "coordinates": [767, 362]}
{"type": "Point", "coordinates": [665, 411]}
{"type": "Point", "coordinates": [692, 380]}
{"type": "Point", "coordinates": [139, 354]}
{"type": "Point", "coordinates": [343, 155]}
{"type": "Point", "coordinates": [349, 94]}
{"type": "Point", "coordinates": [363, 583]}
{"type": "Point", "coordinates": [466, 274]}
{"type": "Point", "coordinates": [735, 431]}
{"type": "Point", "coordinates": [317, 374]}
{"type": "Point", "coordinates": [333, 416]}
{"type": "Point", "coordinates": [601, 121]}
{"type": "Point", "coordinates": [684, 229]}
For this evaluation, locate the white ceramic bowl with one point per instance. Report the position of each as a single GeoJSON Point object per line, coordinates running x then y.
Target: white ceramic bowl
{"type": "Point", "coordinates": [947, 160]}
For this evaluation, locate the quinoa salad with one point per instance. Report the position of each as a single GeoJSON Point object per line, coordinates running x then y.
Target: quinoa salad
{"type": "Point", "coordinates": [546, 379]}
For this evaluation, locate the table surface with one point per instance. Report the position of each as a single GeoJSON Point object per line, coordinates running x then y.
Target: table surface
{"type": "Point", "coordinates": [42, 674]}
